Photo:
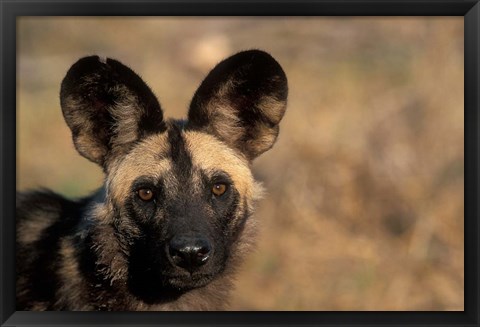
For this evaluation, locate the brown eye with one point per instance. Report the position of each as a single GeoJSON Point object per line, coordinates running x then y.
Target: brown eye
{"type": "Point", "coordinates": [219, 189]}
{"type": "Point", "coordinates": [145, 194]}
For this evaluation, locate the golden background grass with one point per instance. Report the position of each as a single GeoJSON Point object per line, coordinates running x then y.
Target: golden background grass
{"type": "Point", "coordinates": [364, 209]}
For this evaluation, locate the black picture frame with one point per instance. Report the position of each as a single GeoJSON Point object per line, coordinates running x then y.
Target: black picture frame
{"type": "Point", "coordinates": [10, 10]}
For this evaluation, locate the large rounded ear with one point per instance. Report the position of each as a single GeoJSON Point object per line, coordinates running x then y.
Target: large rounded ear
{"type": "Point", "coordinates": [107, 107]}
{"type": "Point", "coordinates": [242, 101]}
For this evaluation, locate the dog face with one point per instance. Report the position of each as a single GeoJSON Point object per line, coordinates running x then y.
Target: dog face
{"type": "Point", "coordinates": [178, 193]}
{"type": "Point", "coordinates": [186, 196]}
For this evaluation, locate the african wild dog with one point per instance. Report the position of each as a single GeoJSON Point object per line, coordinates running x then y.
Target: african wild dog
{"type": "Point", "coordinates": [173, 218]}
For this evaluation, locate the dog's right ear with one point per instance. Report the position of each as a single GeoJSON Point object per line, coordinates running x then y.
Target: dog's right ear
{"type": "Point", "coordinates": [108, 107]}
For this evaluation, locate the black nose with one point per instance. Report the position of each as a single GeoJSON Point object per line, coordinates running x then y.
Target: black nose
{"type": "Point", "coordinates": [189, 251]}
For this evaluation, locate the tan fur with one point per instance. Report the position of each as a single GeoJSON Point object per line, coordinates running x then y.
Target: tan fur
{"type": "Point", "coordinates": [70, 276]}
{"type": "Point", "coordinates": [225, 120]}
{"type": "Point", "coordinates": [32, 229]}
{"type": "Point", "coordinates": [148, 158]}
{"type": "Point", "coordinates": [226, 123]}
{"type": "Point", "coordinates": [266, 137]}
{"type": "Point", "coordinates": [85, 143]}
{"type": "Point", "coordinates": [272, 108]}
{"type": "Point", "coordinates": [210, 154]}
{"type": "Point", "coordinates": [108, 249]}
{"type": "Point", "coordinates": [126, 115]}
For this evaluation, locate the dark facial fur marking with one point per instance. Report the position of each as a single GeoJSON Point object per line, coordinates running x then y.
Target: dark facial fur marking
{"type": "Point", "coordinates": [182, 162]}
{"type": "Point", "coordinates": [173, 219]}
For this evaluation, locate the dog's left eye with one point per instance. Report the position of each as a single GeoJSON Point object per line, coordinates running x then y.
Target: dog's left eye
{"type": "Point", "coordinates": [219, 189]}
{"type": "Point", "coordinates": [145, 194]}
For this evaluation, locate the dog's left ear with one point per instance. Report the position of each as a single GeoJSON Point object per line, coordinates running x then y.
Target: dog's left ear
{"type": "Point", "coordinates": [242, 101]}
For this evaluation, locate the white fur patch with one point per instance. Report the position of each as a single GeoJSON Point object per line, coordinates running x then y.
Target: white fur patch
{"type": "Point", "coordinates": [102, 59]}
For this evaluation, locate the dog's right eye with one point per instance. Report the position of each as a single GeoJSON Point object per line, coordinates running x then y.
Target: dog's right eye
{"type": "Point", "coordinates": [145, 194]}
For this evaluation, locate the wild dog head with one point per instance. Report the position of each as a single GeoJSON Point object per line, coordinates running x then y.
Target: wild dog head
{"type": "Point", "coordinates": [178, 193]}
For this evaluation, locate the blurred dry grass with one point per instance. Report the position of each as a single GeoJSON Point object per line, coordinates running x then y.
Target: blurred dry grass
{"type": "Point", "coordinates": [364, 209]}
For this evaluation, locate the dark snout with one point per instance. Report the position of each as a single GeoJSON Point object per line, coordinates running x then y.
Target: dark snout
{"type": "Point", "coordinates": [189, 251]}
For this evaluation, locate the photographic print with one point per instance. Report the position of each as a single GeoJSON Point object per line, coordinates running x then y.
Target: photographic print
{"type": "Point", "coordinates": [240, 163]}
